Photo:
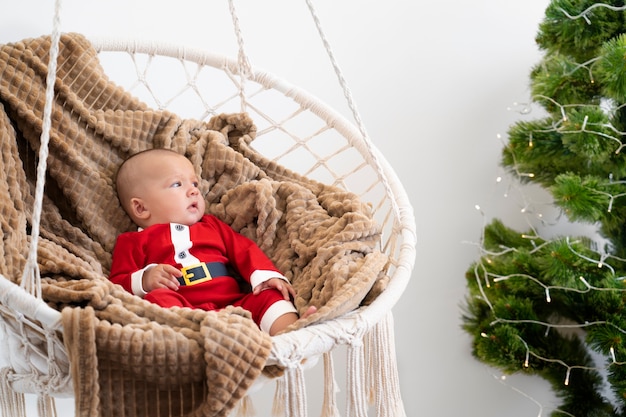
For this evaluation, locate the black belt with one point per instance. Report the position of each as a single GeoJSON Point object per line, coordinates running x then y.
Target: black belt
{"type": "Point", "coordinates": [197, 273]}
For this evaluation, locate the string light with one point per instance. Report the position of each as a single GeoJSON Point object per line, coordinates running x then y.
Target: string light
{"type": "Point", "coordinates": [557, 126]}
{"type": "Point", "coordinates": [527, 359]}
{"type": "Point", "coordinates": [602, 260]}
{"type": "Point", "coordinates": [587, 11]}
{"type": "Point", "coordinates": [521, 108]}
{"type": "Point", "coordinates": [503, 380]}
{"type": "Point", "coordinates": [483, 276]}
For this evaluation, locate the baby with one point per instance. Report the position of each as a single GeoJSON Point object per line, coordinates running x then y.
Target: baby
{"type": "Point", "coordinates": [181, 256]}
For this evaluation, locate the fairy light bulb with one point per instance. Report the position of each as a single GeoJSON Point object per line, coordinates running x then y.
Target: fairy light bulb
{"type": "Point", "coordinates": [584, 281]}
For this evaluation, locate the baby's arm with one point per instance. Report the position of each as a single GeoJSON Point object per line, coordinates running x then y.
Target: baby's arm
{"type": "Point", "coordinates": [161, 276]}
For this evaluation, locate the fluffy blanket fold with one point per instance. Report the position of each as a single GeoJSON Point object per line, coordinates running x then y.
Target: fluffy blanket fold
{"type": "Point", "coordinates": [121, 347]}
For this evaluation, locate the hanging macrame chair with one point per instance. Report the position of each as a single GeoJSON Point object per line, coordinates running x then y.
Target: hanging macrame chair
{"type": "Point", "coordinates": [63, 323]}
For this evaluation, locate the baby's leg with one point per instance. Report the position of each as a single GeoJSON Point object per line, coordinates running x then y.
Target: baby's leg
{"type": "Point", "coordinates": [282, 322]}
{"type": "Point", "coordinates": [271, 311]}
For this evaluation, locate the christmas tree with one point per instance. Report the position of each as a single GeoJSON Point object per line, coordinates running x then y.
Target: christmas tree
{"type": "Point", "coordinates": [553, 306]}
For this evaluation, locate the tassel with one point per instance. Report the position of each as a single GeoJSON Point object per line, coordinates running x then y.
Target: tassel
{"type": "Point", "coordinates": [296, 393]}
{"type": "Point", "coordinates": [371, 366]}
{"type": "Point", "coordinates": [278, 407]}
{"type": "Point", "coordinates": [329, 408]}
{"type": "Point", "coordinates": [12, 404]}
{"type": "Point", "coordinates": [356, 406]}
{"type": "Point", "coordinates": [46, 406]}
{"type": "Point", "coordinates": [383, 379]}
{"type": "Point", "coordinates": [245, 407]}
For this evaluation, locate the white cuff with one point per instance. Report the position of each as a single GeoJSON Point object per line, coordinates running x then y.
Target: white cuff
{"type": "Point", "coordinates": [260, 276]}
{"type": "Point", "coordinates": [276, 310]}
{"type": "Point", "coordinates": [136, 279]}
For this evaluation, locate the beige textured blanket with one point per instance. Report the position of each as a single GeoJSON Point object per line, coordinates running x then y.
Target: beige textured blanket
{"type": "Point", "coordinates": [121, 347]}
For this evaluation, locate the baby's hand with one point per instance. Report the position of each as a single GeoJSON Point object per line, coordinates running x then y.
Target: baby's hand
{"type": "Point", "coordinates": [280, 284]}
{"type": "Point", "coordinates": [160, 276]}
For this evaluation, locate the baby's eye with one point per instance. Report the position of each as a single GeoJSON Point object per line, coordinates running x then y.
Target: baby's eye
{"type": "Point", "coordinates": [196, 184]}
{"type": "Point", "coordinates": [176, 184]}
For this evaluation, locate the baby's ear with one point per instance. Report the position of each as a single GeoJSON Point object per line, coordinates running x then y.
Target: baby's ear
{"type": "Point", "coordinates": [137, 209]}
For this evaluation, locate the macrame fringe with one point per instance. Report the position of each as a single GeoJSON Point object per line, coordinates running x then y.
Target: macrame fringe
{"type": "Point", "coordinates": [296, 392]}
{"type": "Point", "coordinates": [245, 407]}
{"type": "Point", "coordinates": [383, 380]}
{"type": "Point", "coordinates": [357, 404]}
{"type": "Point", "coordinates": [278, 406]}
{"type": "Point", "coordinates": [12, 404]}
{"type": "Point", "coordinates": [329, 408]}
{"type": "Point", "coordinates": [46, 406]}
{"type": "Point", "coordinates": [290, 397]}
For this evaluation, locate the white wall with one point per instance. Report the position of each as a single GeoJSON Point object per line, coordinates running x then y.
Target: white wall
{"type": "Point", "coordinates": [432, 81]}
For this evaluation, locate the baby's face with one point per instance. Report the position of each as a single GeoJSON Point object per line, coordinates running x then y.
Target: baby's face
{"type": "Point", "coordinates": [169, 190]}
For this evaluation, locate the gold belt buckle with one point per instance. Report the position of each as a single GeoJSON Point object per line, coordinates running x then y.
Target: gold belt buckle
{"type": "Point", "coordinates": [195, 274]}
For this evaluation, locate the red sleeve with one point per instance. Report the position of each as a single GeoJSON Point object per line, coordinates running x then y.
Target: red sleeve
{"type": "Point", "coordinates": [243, 253]}
{"type": "Point", "coordinates": [127, 258]}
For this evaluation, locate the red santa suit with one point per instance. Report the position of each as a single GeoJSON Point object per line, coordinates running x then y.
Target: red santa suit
{"type": "Point", "coordinates": [202, 252]}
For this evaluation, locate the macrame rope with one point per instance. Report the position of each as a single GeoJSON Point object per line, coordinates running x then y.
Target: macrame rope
{"type": "Point", "coordinates": [245, 408]}
{"type": "Point", "coordinates": [329, 407]}
{"type": "Point", "coordinates": [46, 407]}
{"type": "Point", "coordinates": [353, 108]}
{"type": "Point", "coordinates": [295, 394]}
{"type": "Point", "coordinates": [357, 401]}
{"type": "Point", "coordinates": [278, 406]}
{"type": "Point", "coordinates": [12, 404]}
{"type": "Point", "coordinates": [31, 280]}
{"type": "Point", "coordinates": [245, 69]}
{"type": "Point", "coordinates": [383, 381]}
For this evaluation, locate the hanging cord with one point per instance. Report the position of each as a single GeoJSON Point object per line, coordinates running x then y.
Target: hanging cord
{"type": "Point", "coordinates": [245, 69]}
{"type": "Point", "coordinates": [31, 280]}
{"type": "Point", "coordinates": [355, 113]}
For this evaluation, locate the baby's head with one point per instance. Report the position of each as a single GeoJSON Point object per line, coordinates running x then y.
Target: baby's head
{"type": "Point", "coordinates": [159, 186]}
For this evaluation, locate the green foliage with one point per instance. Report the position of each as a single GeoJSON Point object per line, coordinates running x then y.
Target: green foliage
{"type": "Point", "coordinates": [538, 305]}
{"type": "Point", "coordinates": [611, 68]}
{"type": "Point", "coordinates": [559, 33]}
{"type": "Point", "coordinates": [521, 289]}
{"type": "Point", "coordinates": [580, 197]}
{"type": "Point", "coordinates": [558, 80]}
